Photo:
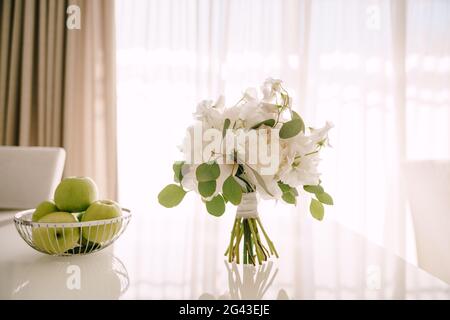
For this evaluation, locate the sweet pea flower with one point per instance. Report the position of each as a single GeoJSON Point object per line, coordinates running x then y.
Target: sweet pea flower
{"type": "Point", "coordinates": [320, 136]}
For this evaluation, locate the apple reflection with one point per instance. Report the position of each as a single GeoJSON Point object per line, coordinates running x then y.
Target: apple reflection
{"type": "Point", "coordinates": [97, 276]}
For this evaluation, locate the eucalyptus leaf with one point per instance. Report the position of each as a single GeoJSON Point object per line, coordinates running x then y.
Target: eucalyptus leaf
{"type": "Point", "coordinates": [226, 125]}
{"type": "Point", "coordinates": [289, 198]}
{"type": "Point", "coordinates": [325, 198]}
{"type": "Point", "coordinates": [284, 187]}
{"type": "Point", "coordinates": [291, 128]}
{"type": "Point", "coordinates": [295, 115]}
{"type": "Point", "coordinates": [232, 190]}
{"type": "Point", "coordinates": [207, 188]}
{"type": "Point", "coordinates": [289, 193]}
{"type": "Point", "coordinates": [177, 166]}
{"type": "Point", "coordinates": [216, 206]}
{"type": "Point", "coordinates": [268, 122]}
{"type": "Point", "coordinates": [313, 189]}
{"type": "Point", "coordinates": [171, 195]}
{"type": "Point", "coordinates": [287, 188]}
{"type": "Point", "coordinates": [207, 171]}
{"type": "Point", "coordinates": [225, 199]}
{"type": "Point", "coordinates": [316, 209]}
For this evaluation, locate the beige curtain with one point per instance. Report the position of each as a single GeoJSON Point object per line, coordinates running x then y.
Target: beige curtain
{"type": "Point", "coordinates": [57, 85]}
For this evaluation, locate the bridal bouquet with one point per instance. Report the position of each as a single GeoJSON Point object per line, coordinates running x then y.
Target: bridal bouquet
{"type": "Point", "coordinates": [259, 146]}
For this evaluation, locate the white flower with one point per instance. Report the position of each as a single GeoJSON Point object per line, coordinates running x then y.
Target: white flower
{"type": "Point", "coordinates": [320, 136]}
{"type": "Point", "coordinates": [252, 113]}
{"type": "Point", "coordinates": [202, 109]}
{"type": "Point", "coordinates": [299, 144]}
{"type": "Point", "coordinates": [268, 107]}
{"type": "Point", "coordinates": [209, 115]}
{"type": "Point", "coordinates": [220, 103]}
{"type": "Point", "coordinates": [270, 87]}
{"type": "Point", "coordinates": [250, 94]}
{"type": "Point", "coordinates": [300, 160]}
{"type": "Point", "coordinates": [233, 114]}
{"type": "Point", "coordinates": [300, 170]}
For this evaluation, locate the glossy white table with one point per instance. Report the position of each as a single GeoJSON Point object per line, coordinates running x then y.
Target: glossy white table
{"type": "Point", "coordinates": [166, 256]}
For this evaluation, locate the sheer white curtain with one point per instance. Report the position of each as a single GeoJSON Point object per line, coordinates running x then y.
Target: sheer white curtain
{"type": "Point", "coordinates": [380, 70]}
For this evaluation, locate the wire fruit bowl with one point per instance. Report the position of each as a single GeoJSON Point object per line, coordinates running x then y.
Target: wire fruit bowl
{"type": "Point", "coordinates": [73, 238]}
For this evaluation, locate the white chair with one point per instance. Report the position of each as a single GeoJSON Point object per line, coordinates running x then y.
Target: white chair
{"type": "Point", "coordinates": [428, 189]}
{"type": "Point", "coordinates": [29, 175]}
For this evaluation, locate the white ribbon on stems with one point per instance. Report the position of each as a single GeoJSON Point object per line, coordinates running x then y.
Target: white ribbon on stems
{"type": "Point", "coordinates": [248, 208]}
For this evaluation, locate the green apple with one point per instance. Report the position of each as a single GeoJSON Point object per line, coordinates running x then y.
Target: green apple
{"type": "Point", "coordinates": [75, 194]}
{"type": "Point", "coordinates": [43, 209]}
{"type": "Point", "coordinates": [56, 240]}
{"type": "Point", "coordinates": [101, 210]}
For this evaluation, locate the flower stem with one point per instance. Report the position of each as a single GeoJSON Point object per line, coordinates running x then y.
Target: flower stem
{"type": "Point", "coordinates": [247, 231]}
{"type": "Point", "coordinates": [269, 242]}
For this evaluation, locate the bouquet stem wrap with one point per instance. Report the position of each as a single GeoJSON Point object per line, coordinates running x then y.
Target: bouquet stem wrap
{"type": "Point", "coordinates": [248, 230]}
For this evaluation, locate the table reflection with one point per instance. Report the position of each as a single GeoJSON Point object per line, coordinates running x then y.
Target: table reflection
{"type": "Point", "coordinates": [248, 282]}
{"type": "Point", "coordinates": [98, 276]}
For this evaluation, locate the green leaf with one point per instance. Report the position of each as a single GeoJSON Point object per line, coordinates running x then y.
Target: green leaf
{"type": "Point", "coordinates": [232, 190]}
{"type": "Point", "coordinates": [289, 198]}
{"type": "Point", "coordinates": [316, 209]}
{"type": "Point", "coordinates": [325, 198]}
{"type": "Point", "coordinates": [268, 122]}
{"type": "Point", "coordinates": [207, 188]}
{"type": "Point", "coordinates": [284, 187]}
{"type": "Point", "coordinates": [291, 128]}
{"type": "Point", "coordinates": [287, 188]}
{"type": "Point", "coordinates": [313, 189]}
{"type": "Point", "coordinates": [260, 181]}
{"type": "Point", "coordinates": [171, 196]}
{"type": "Point", "coordinates": [225, 199]}
{"type": "Point", "coordinates": [289, 193]}
{"type": "Point", "coordinates": [216, 206]}
{"type": "Point", "coordinates": [295, 115]}
{"type": "Point", "coordinates": [178, 175]}
{"type": "Point", "coordinates": [207, 171]}
{"type": "Point", "coordinates": [226, 125]}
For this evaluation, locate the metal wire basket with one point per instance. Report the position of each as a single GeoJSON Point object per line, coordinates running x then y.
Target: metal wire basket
{"type": "Point", "coordinates": [74, 238]}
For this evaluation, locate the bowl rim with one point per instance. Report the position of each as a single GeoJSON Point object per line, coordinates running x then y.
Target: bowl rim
{"type": "Point", "coordinates": [24, 218]}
